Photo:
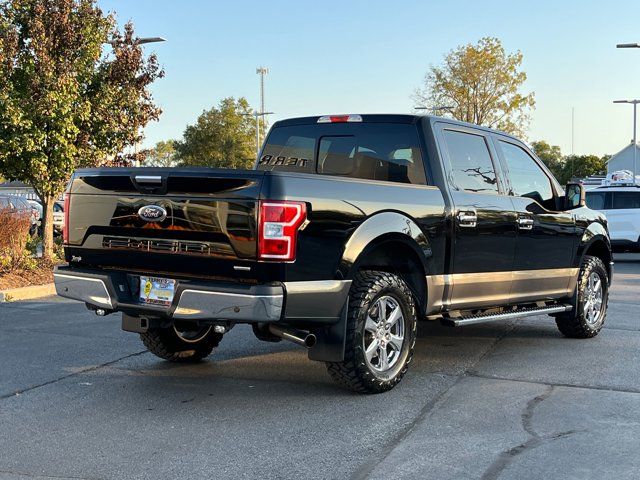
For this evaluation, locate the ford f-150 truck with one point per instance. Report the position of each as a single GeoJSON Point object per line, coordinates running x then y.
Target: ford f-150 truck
{"type": "Point", "coordinates": [349, 230]}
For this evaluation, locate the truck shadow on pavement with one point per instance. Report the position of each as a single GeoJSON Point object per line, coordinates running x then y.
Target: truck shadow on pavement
{"type": "Point", "coordinates": [284, 370]}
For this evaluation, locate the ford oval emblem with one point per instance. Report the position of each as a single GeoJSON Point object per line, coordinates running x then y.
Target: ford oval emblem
{"type": "Point", "coordinates": [152, 213]}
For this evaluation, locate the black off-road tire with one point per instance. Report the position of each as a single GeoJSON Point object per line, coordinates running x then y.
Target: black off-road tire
{"type": "Point", "coordinates": [354, 373]}
{"type": "Point", "coordinates": [574, 323]}
{"type": "Point", "coordinates": [168, 345]}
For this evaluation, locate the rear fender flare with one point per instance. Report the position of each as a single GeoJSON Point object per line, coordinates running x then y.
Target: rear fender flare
{"type": "Point", "coordinates": [381, 228]}
{"type": "Point", "coordinates": [376, 230]}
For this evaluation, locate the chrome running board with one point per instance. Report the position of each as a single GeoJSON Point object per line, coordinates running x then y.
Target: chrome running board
{"type": "Point", "coordinates": [527, 312]}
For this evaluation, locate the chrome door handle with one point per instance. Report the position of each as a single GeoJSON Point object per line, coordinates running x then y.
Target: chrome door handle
{"type": "Point", "coordinates": [467, 219]}
{"type": "Point", "coordinates": [525, 223]}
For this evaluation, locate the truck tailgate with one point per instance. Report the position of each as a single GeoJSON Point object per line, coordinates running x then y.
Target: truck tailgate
{"type": "Point", "coordinates": [180, 219]}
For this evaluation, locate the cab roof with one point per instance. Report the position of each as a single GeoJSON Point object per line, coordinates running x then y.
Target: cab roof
{"type": "Point", "coordinates": [389, 118]}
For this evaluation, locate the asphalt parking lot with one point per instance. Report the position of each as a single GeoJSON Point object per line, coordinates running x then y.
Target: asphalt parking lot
{"type": "Point", "coordinates": [79, 398]}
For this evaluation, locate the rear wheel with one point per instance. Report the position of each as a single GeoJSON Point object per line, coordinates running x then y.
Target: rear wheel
{"type": "Point", "coordinates": [182, 342]}
{"type": "Point", "coordinates": [381, 334]}
{"type": "Point", "coordinates": [587, 319]}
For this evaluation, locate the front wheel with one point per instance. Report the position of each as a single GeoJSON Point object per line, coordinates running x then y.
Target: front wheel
{"type": "Point", "coordinates": [587, 319]}
{"type": "Point", "coordinates": [381, 333]}
{"type": "Point", "coordinates": [181, 342]}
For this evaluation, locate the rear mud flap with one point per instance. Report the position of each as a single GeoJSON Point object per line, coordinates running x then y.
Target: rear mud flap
{"type": "Point", "coordinates": [330, 340]}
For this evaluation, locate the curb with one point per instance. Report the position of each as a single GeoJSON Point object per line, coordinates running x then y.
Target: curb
{"type": "Point", "coordinates": [27, 293]}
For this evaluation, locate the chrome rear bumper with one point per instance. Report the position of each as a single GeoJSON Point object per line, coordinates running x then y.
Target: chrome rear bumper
{"type": "Point", "coordinates": [318, 302]}
{"type": "Point", "coordinates": [202, 305]}
{"type": "Point", "coordinates": [86, 289]}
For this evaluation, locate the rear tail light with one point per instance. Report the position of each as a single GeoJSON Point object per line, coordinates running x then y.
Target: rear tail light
{"type": "Point", "coordinates": [339, 118]}
{"type": "Point", "coordinates": [65, 221]}
{"type": "Point", "coordinates": [278, 227]}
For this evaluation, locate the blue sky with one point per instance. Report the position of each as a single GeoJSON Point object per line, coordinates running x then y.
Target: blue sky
{"type": "Point", "coordinates": [369, 56]}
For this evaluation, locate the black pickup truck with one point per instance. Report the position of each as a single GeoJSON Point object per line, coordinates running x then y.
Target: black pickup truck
{"type": "Point", "coordinates": [349, 230]}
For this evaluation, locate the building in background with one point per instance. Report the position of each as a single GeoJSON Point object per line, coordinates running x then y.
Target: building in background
{"type": "Point", "coordinates": [623, 160]}
{"type": "Point", "coordinates": [18, 188]}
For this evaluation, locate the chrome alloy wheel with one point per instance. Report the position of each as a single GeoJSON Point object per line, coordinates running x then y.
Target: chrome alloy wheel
{"type": "Point", "coordinates": [189, 335]}
{"type": "Point", "coordinates": [383, 334]}
{"type": "Point", "coordinates": [592, 301]}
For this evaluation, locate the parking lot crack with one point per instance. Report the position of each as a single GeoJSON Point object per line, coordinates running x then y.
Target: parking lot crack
{"type": "Point", "coordinates": [365, 470]}
{"type": "Point", "coordinates": [535, 439]}
{"type": "Point", "coordinates": [74, 374]}
{"type": "Point", "coordinates": [527, 415]}
{"type": "Point", "coordinates": [554, 384]}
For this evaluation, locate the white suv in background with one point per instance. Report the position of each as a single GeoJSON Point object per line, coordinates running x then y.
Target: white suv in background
{"type": "Point", "coordinates": [621, 206]}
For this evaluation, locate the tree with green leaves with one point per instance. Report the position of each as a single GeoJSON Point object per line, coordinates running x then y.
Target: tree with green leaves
{"type": "Point", "coordinates": [222, 137]}
{"type": "Point", "coordinates": [582, 166]}
{"type": "Point", "coordinates": [550, 155]}
{"type": "Point", "coordinates": [73, 93]}
{"type": "Point", "coordinates": [479, 83]}
{"type": "Point", "coordinates": [162, 155]}
{"type": "Point", "coordinates": [569, 167]}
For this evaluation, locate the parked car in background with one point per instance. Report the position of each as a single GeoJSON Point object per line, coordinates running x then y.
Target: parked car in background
{"type": "Point", "coordinates": [36, 206]}
{"type": "Point", "coordinates": [37, 209]}
{"type": "Point", "coordinates": [58, 218]}
{"type": "Point", "coordinates": [20, 205]}
{"type": "Point", "coordinates": [620, 202]}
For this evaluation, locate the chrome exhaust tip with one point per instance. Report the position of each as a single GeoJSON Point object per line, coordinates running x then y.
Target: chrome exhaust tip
{"type": "Point", "coordinates": [299, 337]}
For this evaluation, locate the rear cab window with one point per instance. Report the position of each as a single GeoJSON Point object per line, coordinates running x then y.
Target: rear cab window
{"type": "Point", "coordinates": [372, 151]}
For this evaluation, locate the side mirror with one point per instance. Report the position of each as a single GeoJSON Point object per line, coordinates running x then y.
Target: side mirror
{"type": "Point", "coordinates": [574, 196]}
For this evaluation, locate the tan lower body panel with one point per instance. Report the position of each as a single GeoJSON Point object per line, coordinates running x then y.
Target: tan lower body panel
{"type": "Point", "coordinates": [487, 289]}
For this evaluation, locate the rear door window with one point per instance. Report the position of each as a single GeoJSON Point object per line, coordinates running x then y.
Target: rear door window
{"type": "Point", "coordinates": [371, 151]}
{"type": "Point", "coordinates": [471, 165]}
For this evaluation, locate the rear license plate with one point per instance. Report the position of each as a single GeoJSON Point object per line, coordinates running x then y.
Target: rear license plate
{"type": "Point", "coordinates": [157, 291]}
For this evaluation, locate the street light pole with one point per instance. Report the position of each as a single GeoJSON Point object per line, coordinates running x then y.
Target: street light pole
{"type": "Point", "coordinates": [143, 41]}
{"type": "Point", "coordinates": [262, 71]}
{"type": "Point", "coordinates": [635, 142]}
{"type": "Point", "coordinates": [257, 115]}
{"type": "Point", "coordinates": [635, 104]}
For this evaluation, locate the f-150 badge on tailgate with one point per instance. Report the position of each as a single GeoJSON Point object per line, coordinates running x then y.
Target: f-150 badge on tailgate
{"type": "Point", "coordinates": [152, 213]}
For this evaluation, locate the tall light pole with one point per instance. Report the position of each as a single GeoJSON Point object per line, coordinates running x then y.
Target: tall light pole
{"type": "Point", "coordinates": [257, 116]}
{"type": "Point", "coordinates": [635, 145]}
{"type": "Point", "coordinates": [262, 71]}
{"type": "Point", "coordinates": [143, 41]}
{"type": "Point", "coordinates": [635, 104]}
